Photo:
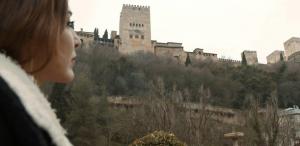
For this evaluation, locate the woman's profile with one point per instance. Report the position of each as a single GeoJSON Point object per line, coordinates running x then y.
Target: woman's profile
{"type": "Point", "coordinates": [36, 45]}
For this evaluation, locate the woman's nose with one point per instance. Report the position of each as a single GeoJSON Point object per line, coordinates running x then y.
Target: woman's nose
{"type": "Point", "coordinates": [77, 41]}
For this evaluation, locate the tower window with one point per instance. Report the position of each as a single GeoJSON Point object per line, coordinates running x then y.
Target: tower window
{"type": "Point", "coordinates": [142, 25]}
{"type": "Point", "coordinates": [142, 37]}
{"type": "Point", "coordinates": [130, 36]}
{"type": "Point", "coordinates": [139, 25]}
{"type": "Point", "coordinates": [136, 36]}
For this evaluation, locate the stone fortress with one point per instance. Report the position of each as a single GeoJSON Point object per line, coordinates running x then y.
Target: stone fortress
{"type": "Point", "coordinates": [135, 36]}
{"type": "Point", "coordinates": [291, 52]}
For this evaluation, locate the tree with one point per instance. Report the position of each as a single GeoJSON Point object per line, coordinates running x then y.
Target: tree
{"type": "Point", "coordinates": [188, 60]}
{"type": "Point", "coordinates": [281, 57]}
{"type": "Point", "coordinates": [105, 35]}
{"type": "Point", "coordinates": [96, 34]}
{"type": "Point", "coordinates": [244, 60]}
{"type": "Point", "coordinates": [263, 123]}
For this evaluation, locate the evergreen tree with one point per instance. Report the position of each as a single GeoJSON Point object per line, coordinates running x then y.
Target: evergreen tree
{"type": "Point", "coordinates": [96, 34]}
{"type": "Point", "coordinates": [244, 61]}
{"type": "Point", "coordinates": [105, 35]}
{"type": "Point", "coordinates": [281, 57]}
{"type": "Point", "coordinates": [188, 60]}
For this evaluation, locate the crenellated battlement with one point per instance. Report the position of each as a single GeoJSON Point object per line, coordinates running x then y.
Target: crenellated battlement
{"type": "Point", "coordinates": [249, 51]}
{"type": "Point", "coordinates": [229, 60]}
{"type": "Point", "coordinates": [136, 7]}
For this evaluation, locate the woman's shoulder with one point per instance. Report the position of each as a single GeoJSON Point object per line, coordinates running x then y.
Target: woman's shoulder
{"type": "Point", "coordinates": [16, 86]}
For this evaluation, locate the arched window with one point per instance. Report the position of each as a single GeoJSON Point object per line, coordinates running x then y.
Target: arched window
{"type": "Point", "coordinates": [130, 24]}
{"type": "Point", "coordinates": [142, 37]}
{"type": "Point", "coordinates": [136, 36]}
{"type": "Point", "coordinates": [142, 25]}
{"type": "Point", "coordinates": [131, 36]}
{"type": "Point", "coordinates": [139, 25]}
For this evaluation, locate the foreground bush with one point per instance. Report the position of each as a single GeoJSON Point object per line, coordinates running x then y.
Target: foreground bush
{"type": "Point", "coordinates": [158, 138]}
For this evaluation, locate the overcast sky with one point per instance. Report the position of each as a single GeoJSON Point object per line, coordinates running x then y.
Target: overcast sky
{"type": "Point", "coordinates": [225, 27]}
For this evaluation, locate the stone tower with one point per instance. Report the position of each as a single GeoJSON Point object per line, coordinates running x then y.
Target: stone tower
{"type": "Point", "coordinates": [251, 57]}
{"type": "Point", "coordinates": [135, 29]}
{"type": "Point", "coordinates": [291, 47]}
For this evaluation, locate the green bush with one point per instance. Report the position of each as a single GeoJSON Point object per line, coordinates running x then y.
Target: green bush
{"type": "Point", "coordinates": [158, 138]}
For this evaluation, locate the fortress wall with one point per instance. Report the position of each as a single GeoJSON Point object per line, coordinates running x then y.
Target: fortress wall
{"type": "Point", "coordinates": [274, 57]}
{"type": "Point", "coordinates": [171, 51]}
{"type": "Point", "coordinates": [251, 57]}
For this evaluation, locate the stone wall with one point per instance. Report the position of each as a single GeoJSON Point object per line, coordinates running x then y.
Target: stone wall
{"type": "Point", "coordinates": [199, 55]}
{"type": "Point", "coordinates": [274, 57]}
{"type": "Point", "coordinates": [170, 49]}
{"type": "Point", "coordinates": [87, 38]}
{"type": "Point", "coordinates": [251, 57]}
{"type": "Point", "coordinates": [232, 62]}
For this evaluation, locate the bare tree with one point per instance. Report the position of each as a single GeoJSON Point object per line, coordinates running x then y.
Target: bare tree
{"type": "Point", "coordinates": [266, 126]}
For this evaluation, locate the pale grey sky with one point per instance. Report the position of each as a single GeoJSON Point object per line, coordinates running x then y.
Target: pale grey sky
{"type": "Point", "coordinates": [225, 27]}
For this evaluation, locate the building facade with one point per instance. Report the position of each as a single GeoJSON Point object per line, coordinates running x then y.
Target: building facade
{"type": "Point", "coordinates": [275, 57]}
{"type": "Point", "coordinates": [199, 55]}
{"type": "Point", "coordinates": [135, 29]}
{"type": "Point", "coordinates": [170, 49]}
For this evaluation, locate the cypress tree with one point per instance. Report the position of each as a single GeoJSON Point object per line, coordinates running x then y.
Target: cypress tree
{"type": "Point", "coordinates": [105, 35]}
{"type": "Point", "coordinates": [281, 57]}
{"type": "Point", "coordinates": [188, 60]}
{"type": "Point", "coordinates": [96, 34]}
{"type": "Point", "coordinates": [244, 61]}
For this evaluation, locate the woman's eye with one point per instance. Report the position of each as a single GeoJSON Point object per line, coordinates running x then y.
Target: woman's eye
{"type": "Point", "coordinates": [70, 24]}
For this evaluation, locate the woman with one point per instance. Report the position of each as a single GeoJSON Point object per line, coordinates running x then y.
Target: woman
{"type": "Point", "coordinates": [36, 46]}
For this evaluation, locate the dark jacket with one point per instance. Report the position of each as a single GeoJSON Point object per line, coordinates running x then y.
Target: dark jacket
{"type": "Point", "coordinates": [26, 118]}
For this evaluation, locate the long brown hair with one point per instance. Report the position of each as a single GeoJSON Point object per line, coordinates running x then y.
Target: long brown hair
{"type": "Point", "coordinates": [30, 30]}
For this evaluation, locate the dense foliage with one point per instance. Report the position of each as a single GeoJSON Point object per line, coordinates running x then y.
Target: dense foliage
{"type": "Point", "coordinates": [229, 85]}
{"type": "Point", "coordinates": [162, 84]}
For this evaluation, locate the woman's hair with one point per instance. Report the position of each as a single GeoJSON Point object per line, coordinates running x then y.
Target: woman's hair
{"type": "Point", "coordinates": [30, 30]}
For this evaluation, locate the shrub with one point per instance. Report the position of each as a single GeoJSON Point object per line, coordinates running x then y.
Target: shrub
{"type": "Point", "coordinates": [158, 138]}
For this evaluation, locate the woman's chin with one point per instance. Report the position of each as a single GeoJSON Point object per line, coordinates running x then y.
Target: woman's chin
{"type": "Point", "coordinates": [69, 76]}
{"type": "Point", "coordinates": [66, 78]}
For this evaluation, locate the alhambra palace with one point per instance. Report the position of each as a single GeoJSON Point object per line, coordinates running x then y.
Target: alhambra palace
{"type": "Point", "coordinates": [135, 36]}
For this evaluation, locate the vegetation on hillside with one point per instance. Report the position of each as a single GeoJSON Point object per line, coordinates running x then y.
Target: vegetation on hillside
{"type": "Point", "coordinates": [162, 85]}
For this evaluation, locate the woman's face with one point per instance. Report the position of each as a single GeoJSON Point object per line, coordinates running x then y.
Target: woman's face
{"type": "Point", "coordinates": [60, 68]}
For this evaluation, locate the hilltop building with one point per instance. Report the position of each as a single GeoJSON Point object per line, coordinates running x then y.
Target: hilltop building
{"type": "Point", "coordinates": [292, 49]}
{"type": "Point", "coordinates": [170, 49]}
{"type": "Point", "coordinates": [275, 57]}
{"type": "Point", "coordinates": [198, 54]}
{"type": "Point", "coordinates": [251, 57]}
{"type": "Point", "coordinates": [135, 29]}
{"type": "Point", "coordinates": [135, 36]}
